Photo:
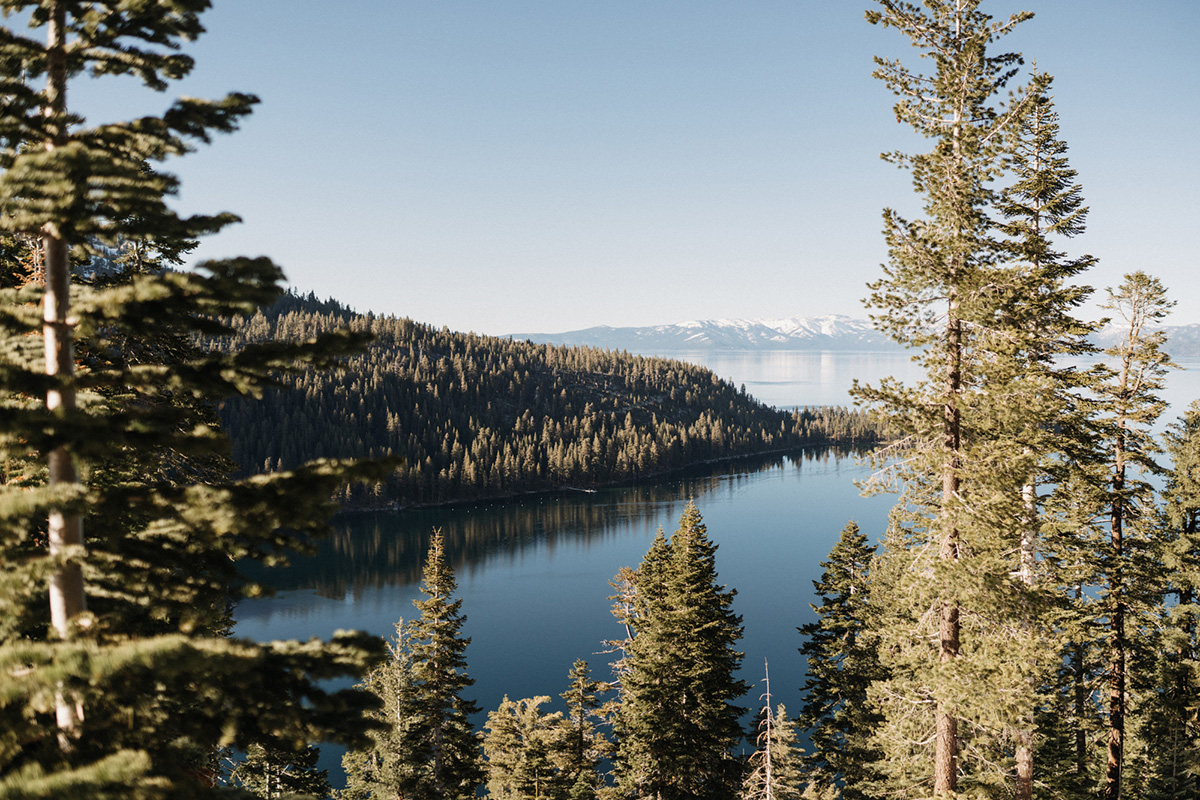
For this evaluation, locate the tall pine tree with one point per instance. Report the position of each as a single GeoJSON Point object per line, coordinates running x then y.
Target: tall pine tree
{"type": "Point", "coordinates": [1170, 713]}
{"type": "Point", "coordinates": [677, 723]}
{"type": "Point", "coordinates": [1122, 532]}
{"type": "Point", "coordinates": [841, 650]}
{"type": "Point", "coordinates": [936, 294]}
{"type": "Point", "coordinates": [116, 684]}
{"type": "Point", "coordinates": [1031, 383]}
{"type": "Point", "coordinates": [427, 747]}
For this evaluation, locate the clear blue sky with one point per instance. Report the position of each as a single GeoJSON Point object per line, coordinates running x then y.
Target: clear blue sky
{"type": "Point", "coordinates": [544, 165]}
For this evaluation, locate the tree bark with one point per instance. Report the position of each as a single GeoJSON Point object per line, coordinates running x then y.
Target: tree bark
{"type": "Point", "coordinates": [1081, 705]}
{"type": "Point", "coordinates": [66, 591]}
{"type": "Point", "coordinates": [1028, 561]}
{"type": "Point", "coordinates": [1117, 655]}
{"type": "Point", "coordinates": [945, 764]}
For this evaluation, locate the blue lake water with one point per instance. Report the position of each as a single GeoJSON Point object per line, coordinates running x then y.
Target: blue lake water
{"type": "Point", "coordinates": [533, 573]}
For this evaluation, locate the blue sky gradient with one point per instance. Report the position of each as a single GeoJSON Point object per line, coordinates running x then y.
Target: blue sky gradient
{"type": "Point", "coordinates": [541, 165]}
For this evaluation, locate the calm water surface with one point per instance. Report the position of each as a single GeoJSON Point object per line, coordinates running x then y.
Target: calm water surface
{"type": "Point", "coordinates": [533, 573]}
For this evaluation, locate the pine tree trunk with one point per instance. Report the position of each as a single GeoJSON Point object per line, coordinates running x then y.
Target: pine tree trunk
{"type": "Point", "coordinates": [1024, 750]}
{"type": "Point", "coordinates": [1081, 704]}
{"type": "Point", "coordinates": [1116, 714]}
{"type": "Point", "coordinates": [65, 530]}
{"type": "Point", "coordinates": [945, 765]}
{"type": "Point", "coordinates": [1117, 657]}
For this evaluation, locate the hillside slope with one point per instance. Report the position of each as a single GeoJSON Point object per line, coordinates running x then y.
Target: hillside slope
{"type": "Point", "coordinates": [477, 416]}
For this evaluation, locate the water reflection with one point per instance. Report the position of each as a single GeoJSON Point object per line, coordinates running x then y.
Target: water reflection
{"type": "Point", "coordinates": [380, 549]}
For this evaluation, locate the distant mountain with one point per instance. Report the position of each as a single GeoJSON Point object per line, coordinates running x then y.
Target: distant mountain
{"type": "Point", "coordinates": [829, 332]}
{"type": "Point", "coordinates": [1183, 341]}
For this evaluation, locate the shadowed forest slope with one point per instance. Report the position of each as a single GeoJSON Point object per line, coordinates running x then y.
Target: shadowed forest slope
{"type": "Point", "coordinates": [480, 416]}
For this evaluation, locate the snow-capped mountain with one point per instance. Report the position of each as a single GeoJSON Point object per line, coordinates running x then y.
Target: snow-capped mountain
{"type": "Point", "coordinates": [1183, 341]}
{"type": "Point", "coordinates": [829, 332]}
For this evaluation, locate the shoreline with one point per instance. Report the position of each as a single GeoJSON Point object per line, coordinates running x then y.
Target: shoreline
{"type": "Point", "coordinates": [396, 507]}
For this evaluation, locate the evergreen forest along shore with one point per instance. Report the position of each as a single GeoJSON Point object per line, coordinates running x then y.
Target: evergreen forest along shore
{"type": "Point", "coordinates": [475, 417]}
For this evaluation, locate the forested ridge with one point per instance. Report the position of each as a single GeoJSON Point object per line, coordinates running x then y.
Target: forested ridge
{"type": "Point", "coordinates": [482, 416]}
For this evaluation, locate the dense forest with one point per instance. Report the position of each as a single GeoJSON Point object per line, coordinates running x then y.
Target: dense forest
{"type": "Point", "coordinates": [479, 416]}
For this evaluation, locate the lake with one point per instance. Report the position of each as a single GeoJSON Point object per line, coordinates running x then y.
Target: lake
{"type": "Point", "coordinates": [533, 572]}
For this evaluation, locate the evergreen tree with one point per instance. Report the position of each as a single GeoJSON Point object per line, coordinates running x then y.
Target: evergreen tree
{"type": "Point", "coordinates": [840, 648]}
{"type": "Point", "coordinates": [440, 675]}
{"type": "Point", "coordinates": [386, 766]}
{"type": "Point", "coordinates": [1127, 562]}
{"type": "Point", "coordinates": [676, 723]}
{"type": "Point", "coordinates": [1030, 383]}
{"type": "Point", "coordinates": [1170, 716]}
{"type": "Point", "coordinates": [523, 748]}
{"type": "Point", "coordinates": [531, 754]}
{"type": "Point", "coordinates": [272, 773]}
{"type": "Point", "coordinates": [124, 662]}
{"type": "Point", "coordinates": [585, 744]}
{"type": "Point", "coordinates": [965, 630]}
{"type": "Point", "coordinates": [427, 747]}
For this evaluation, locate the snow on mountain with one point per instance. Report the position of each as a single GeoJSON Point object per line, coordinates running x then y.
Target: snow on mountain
{"type": "Point", "coordinates": [829, 332]}
{"type": "Point", "coordinates": [1183, 341]}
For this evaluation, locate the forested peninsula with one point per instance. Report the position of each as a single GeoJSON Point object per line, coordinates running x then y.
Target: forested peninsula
{"type": "Point", "coordinates": [474, 417]}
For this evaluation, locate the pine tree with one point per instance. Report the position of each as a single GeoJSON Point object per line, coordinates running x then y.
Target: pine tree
{"type": "Point", "coordinates": [585, 745]}
{"type": "Point", "coordinates": [842, 664]}
{"type": "Point", "coordinates": [1127, 564]}
{"type": "Point", "coordinates": [440, 676]}
{"type": "Point", "coordinates": [272, 773]}
{"type": "Point", "coordinates": [1030, 383]}
{"type": "Point", "coordinates": [1170, 716]}
{"type": "Point", "coordinates": [427, 747]}
{"type": "Point", "coordinates": [521, 745]}
{"type": "Point", "coordinates": [125, 662]}
{"type": "Point", "coordinates": [385, 765]}
{"type": "Point", "coordinates": [991, 314]}
{"type": "Point", "coordinates": [676, 722]}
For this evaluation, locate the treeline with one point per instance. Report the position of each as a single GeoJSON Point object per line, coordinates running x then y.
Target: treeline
{"type": "Point", "coordinates": [479, 416]}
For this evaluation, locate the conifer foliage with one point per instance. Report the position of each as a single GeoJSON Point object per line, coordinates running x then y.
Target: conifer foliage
{"type": "Point", "coordinates": [531, 754]}
{"type": "Point", "coordinates": [843, 662]}
{"type": "Point", "coordinates": [1019, 590]}
{"type": "Point", "coordinates": [271, 773]}
{"type": "Point", "coordinates": [677, 723]}
{"type": "Point", "coordinates": [1170, 713]}
{"type": "Point", "coordinates": [426, 746]}
{"type": "Point", "coordinates": [948, 288]}
{"type": "Point", "coordinates": [120, 685]}
{"type": "Point", "coordinates": [523, 746]}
